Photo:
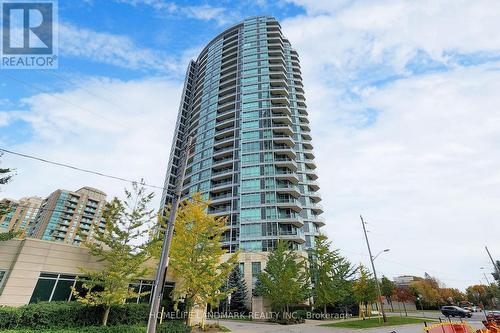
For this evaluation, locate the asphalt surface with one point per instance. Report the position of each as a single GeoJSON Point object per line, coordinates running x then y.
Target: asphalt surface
{"type": "Point", "coordinates": [312, 326]}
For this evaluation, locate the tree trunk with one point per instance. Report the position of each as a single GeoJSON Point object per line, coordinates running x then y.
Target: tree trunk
{"type": "Point", "coordinates": [324, 310]}
{"type": "Point", "coordinates": [105, 316]}
{"type": "Point", "coordinates": [390, 302]}
{"type": "Point", "coordinates": [188, 314]}
{"type": "Point", "coordinates": [404, 306]}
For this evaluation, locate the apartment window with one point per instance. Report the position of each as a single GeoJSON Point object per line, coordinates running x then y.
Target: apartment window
{"type": "Point", "coordinates": [250, 124]}
{"type": "Point", "coordinates": [256, 269]}
{"type": "Point", "coordinates": [251, 184]}
{"type": "Point", "coordinates": [251, 158]}
{"type": "Point", "coordinates": [3, 277]}
{"type": "Point", "coordinates": [250, 115]}
{"type": "Point", "coordinates": [241, 266]}
{"type": "Point", "coordinates": [250, 214]}
{"type": "Point", "coordinates": [250, 171]}
{"type": "Point", "coordinates": [251, 146]}
{"type": "Point", "coordinates": [250, 135]}
{"type": "Point", "coordinates": [251, 245]}
{"type": "Point", "coordinates": [250, 199]}
{"type": "Point", "coordinates": [53, 287]}
{"type": "Point", "coordinates": [251, 230]}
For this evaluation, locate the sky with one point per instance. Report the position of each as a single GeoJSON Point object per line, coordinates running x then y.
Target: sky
{"type": "Point", "coordinates": [403, 98]}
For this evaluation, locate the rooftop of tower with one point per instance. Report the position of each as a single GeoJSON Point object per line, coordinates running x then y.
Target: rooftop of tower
{"type": "Point", "coordinates": [234, 26]}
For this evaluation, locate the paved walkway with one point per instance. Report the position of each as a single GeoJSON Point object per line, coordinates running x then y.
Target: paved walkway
{"type": "Point", "coordinates": [311, 326]}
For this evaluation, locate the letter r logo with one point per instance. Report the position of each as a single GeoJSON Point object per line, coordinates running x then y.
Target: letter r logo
{"type": "Point", "coordinates": [27, 27]}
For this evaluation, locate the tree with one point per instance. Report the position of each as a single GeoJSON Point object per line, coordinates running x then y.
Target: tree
{"type": "Point", "coordinates": [451, 296]}
{"type": "Point", "coordinates": [493, 294]}
{"type": "Point", "coordinates": [477, 294]}
{"type": "Point", "coordinates": [284, 281]}
{"type": "Point", "coordinates": [236, 284]}
{"type": "Point", "coordinates": [121, 248]}
{"type": "Point", "coordinates": [364, 288]}
{"type": "Point", "coordinates": [387, 289]}
{"type": "Point", "coordinates": [495, 274]}
{"type": "Point", "coordinates": [427, 292]}
{"type": "Point", "coordinates": [329, 273]}
{"type": "Point", "coordinates": [196, 255]}
{"type": "Point", "coordinates": [5, 177]}
{"type": "Point", "coordinates": [404, 295]}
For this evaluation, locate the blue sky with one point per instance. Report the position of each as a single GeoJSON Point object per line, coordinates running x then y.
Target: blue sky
{"type": "Point", "coordinates": [402, 96]}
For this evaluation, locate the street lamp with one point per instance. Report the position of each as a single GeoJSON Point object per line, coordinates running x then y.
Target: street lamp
{"type": "Point", "coordinates": [374, 271]}
{"type": "Point", "coordinates": [386, 250]}
{"type": "Point", "coordinates": [485, 276]}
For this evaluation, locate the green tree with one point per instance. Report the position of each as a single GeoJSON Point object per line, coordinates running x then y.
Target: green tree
{"type": "Point", "coordinates": [196, 255]}
{"type": "Point", "coordinates": [495, 274]}
{"type": "Point", "coordinates": [387, 289]}
{"type": "Point", "coordinates": [5, 177]}
{"type": "Point", "coordinates": [329, 273]}
{"type": "Point", "coordinates": [477, 294]}
{"type": "Point", "coordinates": [121, 248]}
{"type": "Point", "coordinates": [493, 294]}
{"type": "Point", "coordinates": [284, 281]}
{"type": "Point", "coordinates": [236, 284]}
{"type": "Point", "coordinates": [427, 293]}
{"type": "Point", "coordinates": [364, 288]}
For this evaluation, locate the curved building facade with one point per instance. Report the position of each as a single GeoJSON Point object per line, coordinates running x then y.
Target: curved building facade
{"type": "Point", "coordinates": [243, 105]}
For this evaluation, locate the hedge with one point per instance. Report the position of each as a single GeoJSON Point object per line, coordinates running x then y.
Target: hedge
{"type": "Point", "coordinates": [170, 327]}
{"type": "Point", "coordinates": [53, 315]}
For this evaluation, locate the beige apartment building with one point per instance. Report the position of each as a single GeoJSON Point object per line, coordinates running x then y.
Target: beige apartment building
{"type": "Point", "coordinates": [68, 217]}
{"type": "Point", "coordinates": [22, 213]}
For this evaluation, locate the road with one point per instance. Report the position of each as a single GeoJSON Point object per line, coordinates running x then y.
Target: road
{"type": "Point", "coordinates": [477, 317]}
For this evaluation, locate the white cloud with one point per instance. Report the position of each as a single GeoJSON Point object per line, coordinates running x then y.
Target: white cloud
{"type": "Point", "coordinates": [200, 12]}
{"type": "Point", "coordinates": [207, 13]}
{"type": "Point", "coordinates": [127, 134]}
{"type": "Point", "coordinates": [114, 49]}
{"type": "Point", "coordinates": [409, 144]}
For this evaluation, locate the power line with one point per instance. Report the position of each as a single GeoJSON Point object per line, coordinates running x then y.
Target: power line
{"type": "Point", "coordinates": [62, 99]}
{"type": "Point", "coordinates": [97, 173]}
{"type": "Point", "coordinates": [54, 74]}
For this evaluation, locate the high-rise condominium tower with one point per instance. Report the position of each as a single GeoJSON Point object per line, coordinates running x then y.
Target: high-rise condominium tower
{"type": "Point", "coordinates": [69, 217]}
{"type": "Point", "coordinates": [243, 105]}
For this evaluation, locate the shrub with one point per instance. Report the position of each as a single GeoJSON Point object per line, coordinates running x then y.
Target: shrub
{"type": "Point", "coordinates": [9, 317]}
{"type": "Point", "coordinates": [300, 314]}
{"type": "Point", "coordinates": [46, 315]}
{"type": "Point", "coordinates": [89, 329]}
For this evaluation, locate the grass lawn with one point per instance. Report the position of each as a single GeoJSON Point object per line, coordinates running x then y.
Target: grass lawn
{"type": "Point", "coordinates": [374, 322]}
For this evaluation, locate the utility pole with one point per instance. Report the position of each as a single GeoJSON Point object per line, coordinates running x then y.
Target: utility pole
{"type": "Point", "coordinates": [161, 271]}
{"type": "Point", "coordinates": [493, 262]}
{"type": "Point", "coordinates": [374, 271]}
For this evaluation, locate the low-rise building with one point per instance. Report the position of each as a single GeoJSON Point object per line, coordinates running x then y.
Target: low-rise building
{"type": "Point", "coordinates": [34, 270]}
{"type": "Point", "coordinates": [403, 280]}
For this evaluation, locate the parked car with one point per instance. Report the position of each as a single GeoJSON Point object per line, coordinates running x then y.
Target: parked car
{"type": "Point", "coordinates": [476, 308]}
{"type": "Point", "coordinates": [492, 315]}
{"type": "Point", "coordinates": [455, 311]}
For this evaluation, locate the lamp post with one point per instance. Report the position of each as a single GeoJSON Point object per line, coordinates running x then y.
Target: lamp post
{"type": "Point", "coordinates": [161, 270]}
{"type": "Point", "coordinates": [386, 250]}
{"type": "Point", "coordinates": [485, 276]}
{"type": "Point", "coordinates": [374, 271]}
